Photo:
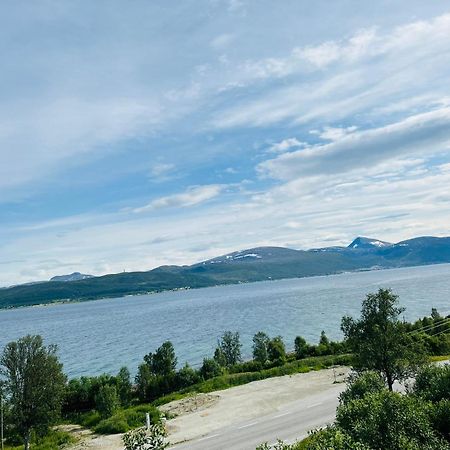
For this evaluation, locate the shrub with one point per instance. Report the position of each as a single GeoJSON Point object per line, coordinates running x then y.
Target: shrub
{"type": "Point", "coordinates": [107, 401]}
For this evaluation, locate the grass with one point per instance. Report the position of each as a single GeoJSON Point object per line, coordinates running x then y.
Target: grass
{"type": "Point", "coordinates": [439, 358]}
{"type": "Point", "coordinates": [121, 421]}
{"type": "Point", "coordinates": [55, 439]}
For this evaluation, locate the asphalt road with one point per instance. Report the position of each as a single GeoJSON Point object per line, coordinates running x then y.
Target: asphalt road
{"type": "Point", "coordinates": [290, 423]}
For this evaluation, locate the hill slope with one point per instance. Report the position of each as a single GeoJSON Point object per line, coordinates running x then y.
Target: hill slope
{"type": "Point", "coordinates": [254, 264]}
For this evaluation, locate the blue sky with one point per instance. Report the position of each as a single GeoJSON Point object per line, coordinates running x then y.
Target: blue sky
{"type": "Point", "coordinates": [145, 133]}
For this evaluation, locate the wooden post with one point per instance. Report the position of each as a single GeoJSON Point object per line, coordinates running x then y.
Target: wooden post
{"type": "Point", "coordinates": [147, 420]}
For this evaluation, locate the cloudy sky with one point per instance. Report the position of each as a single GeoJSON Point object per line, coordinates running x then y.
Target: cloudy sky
{"type": "Point", "coordinates": [135, 134]}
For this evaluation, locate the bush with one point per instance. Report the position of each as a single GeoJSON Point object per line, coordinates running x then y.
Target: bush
{"type": "Point", "coordinates": [107, 401]}
{"type": "Point", "coordinates": [141, 439]}
{"type": "Point", "coordinates": [361, 384]}
{"type": "Point", "coordinates": [433, 383]}
{"type": "Point", "coordinates": [113, 425]}
{"type": "Point", "coordinates": [210, 369]}
{"type": "Point", "coordinates": [276, 350]}
{"type": "Point", "coordinates": [388, 420]}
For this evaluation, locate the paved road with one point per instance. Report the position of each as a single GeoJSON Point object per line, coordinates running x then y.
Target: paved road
{"type": "Point", "coordinates": [290, 423]}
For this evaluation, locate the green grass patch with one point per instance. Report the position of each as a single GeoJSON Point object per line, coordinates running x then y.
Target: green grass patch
{"type": "Point", "coordinates": [439, 358]}
{"type": "Point", "coordinates": [127, 419]}
{"type": "Point", "coordinates": [53, 440]}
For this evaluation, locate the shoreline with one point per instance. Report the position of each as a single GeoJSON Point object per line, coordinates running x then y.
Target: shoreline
{"type": "Point", "coordinates": [188, 288]}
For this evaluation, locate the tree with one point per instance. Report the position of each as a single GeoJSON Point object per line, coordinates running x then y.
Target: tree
{"type": "Point", "coordinates": [379, 341]}
{"type": "Point", "coordinates": [34, 383]}
{"type": "Point", "coordinates": [389, 420]}
{"type": "Point", "coordinates": [186, 376]}
{"type": "Point", "coordinates": [361, 384]}
{"type": "Point", "coordinates": [210, 369]}
{"type": "Point", "coordinates": [324, 339]}
{"type": "Point", "coordinates": [107, 401]}
{"type": "Point", "coordinates": [230, 347]}
{"type": "Point", "coordinates": [276, 350]}
{"type": "Point", "coordinates": [163, 361]}
{"type": "Point", "coordinates": [124, 386]}
{"type": "Point", "coordinates": [260, 344]}
{"type": "Point", "coordinates": [301, 347]}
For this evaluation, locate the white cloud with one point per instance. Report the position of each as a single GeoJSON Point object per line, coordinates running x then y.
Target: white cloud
{"type": "Point", "coordinates": [426, 133]}
{"type": "Point", "coordinates": [333, 133]}
{"type": "Point", "coordinates": [285, 145]}
{"type": "Point", "coordinates": [340, 79]}
{"type": "Point", "coordinates": [194, 195]}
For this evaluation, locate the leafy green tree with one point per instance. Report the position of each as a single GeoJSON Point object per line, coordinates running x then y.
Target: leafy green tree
{"type": "Point", "coordinates": [144, 380]}
{"type": "Point", "coordinates": [163, 361]}
{"type": "Point", "coordinates": [260, 344]}
{"type": "Point", "coordinates": [332, 438]}
{"type": "Point", "coordinates": [324, 339]}
{"type": "Point", "coordinates": [389, 420]}
{"type": "Point", "coordinates": [301, 347]}
{"type": "Point", "coordinates": [361, 384]}
{"type": "Point", "coordinates": [210, 369]}
{"type": "Point", "coordinates": [219, 357]}
{"type": "Point", "coordinates": [433, 383]}
{"type": "Point", "coordinates": [34, 383]}
{"type": "Point", "coordinates": [379, 341]}
{"type": "Point", "coordinates": [276, 350]}
{"type": "Point", "coordinates": [186, 376]}
{"type": "Point", "coordinates": [230, 347]}
{"type": "Point", "coordinates": [124, 387]}
{"type": "Point", "coordinates": [107, 401]}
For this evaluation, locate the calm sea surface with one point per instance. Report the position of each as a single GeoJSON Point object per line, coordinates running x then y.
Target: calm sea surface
{"type": "Point", "coordinates": [101, 336]}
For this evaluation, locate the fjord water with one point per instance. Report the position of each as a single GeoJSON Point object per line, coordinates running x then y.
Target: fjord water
{"type": "Point", "coordinates": [101, 336]}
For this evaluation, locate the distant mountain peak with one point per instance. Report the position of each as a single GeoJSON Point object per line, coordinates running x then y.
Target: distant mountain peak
{"type": "Point", "coordinates": [365, 243]}
{"type": "Point", "coordinates": [75, 276]}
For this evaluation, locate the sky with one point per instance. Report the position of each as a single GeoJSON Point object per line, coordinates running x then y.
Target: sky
{"type": "Point", "coordinates": [137, 134]}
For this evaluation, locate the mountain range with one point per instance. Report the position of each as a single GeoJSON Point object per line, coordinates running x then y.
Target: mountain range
{"type": "Point", "coordinates": [255, 264]}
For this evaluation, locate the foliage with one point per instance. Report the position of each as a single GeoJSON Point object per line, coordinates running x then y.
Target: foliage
{"type": "Point", "coordinates": [186, 376]}
{"type": "Point", "coordinates": [301, 347]}
{"type": "Point", "coordinates": [276, 351]}
{"type": "Point", "coordinates": [387, 419]}
{"type": "Point", "coordinates": [331, 438]}
{"type": "Point", "coordinates": [81, 392]}
{"type": "Point", "coordinates": [279, 445]}
{"type": "Point", "coordinates": [124, 386]}
{"type": "Point", "coordinates": [163, 362]}
{"type": "Point", "coordinates": [34, 384]}
{"type": "Point", "coordinates": [210, 369]}
{"type": "Point", "coordinates": [361, 384]}
{"type": "Point", "coordinates": [379, 341]}
{"type": "Point", "coordinates": [121, 421]}
{"type": "Point", "coordinates": [52, 440]}
{"type": "Point", "coordinates": [141, 439]}
{"type": "Point", "coordinates": [107, 401]}
{"type": "Point", "coordinates": [260, 344]}
{"type": "Point", "coordinates": [433, 383]}
{"type": "Point", "coordinates": [229, 346]}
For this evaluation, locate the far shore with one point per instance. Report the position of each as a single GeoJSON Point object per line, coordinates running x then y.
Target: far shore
{"type": "Point", "coordinates": [269, 280]}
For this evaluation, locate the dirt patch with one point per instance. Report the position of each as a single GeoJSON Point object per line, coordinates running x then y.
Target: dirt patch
{"type": "Point", "coordinates": [86, 439]}
{"type": "Point", "coordinates": [189, 405]}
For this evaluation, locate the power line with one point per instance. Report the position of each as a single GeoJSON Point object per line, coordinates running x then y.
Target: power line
{"type": "Point", "coordinates": [439, 323]}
